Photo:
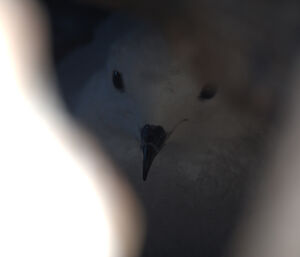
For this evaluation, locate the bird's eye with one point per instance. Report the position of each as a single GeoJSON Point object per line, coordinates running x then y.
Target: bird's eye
{"type": "Point", "coordinates": [208, 92]}
{"type": "Point", "coordinates": [118, 81]}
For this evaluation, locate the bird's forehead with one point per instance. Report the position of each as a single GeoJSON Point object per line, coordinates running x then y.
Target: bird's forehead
{"type": "Point", "coordinates": [147, 61]}
{"type": "Point", "coordinates": [144, 46]}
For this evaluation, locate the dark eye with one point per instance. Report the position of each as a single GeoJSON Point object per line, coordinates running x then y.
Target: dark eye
{"type": "Point", "coordinates": [208, 92]}
{"type": "Point", "coordinates": [118, 81]}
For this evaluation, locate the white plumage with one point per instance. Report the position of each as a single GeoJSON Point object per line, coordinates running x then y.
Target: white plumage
{"type": "Point", "coordinates": [197, 181]}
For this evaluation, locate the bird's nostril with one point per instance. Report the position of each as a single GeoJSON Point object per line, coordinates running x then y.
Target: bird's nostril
{"type": "Point", "coordinates": [153, 133]}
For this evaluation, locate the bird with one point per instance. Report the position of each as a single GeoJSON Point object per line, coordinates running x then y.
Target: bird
{"type": "Point", "coordinates": [188, 152]}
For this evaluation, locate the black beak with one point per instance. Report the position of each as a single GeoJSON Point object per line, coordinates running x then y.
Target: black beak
{"type": "Point", "coordinates": [153, 139]}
